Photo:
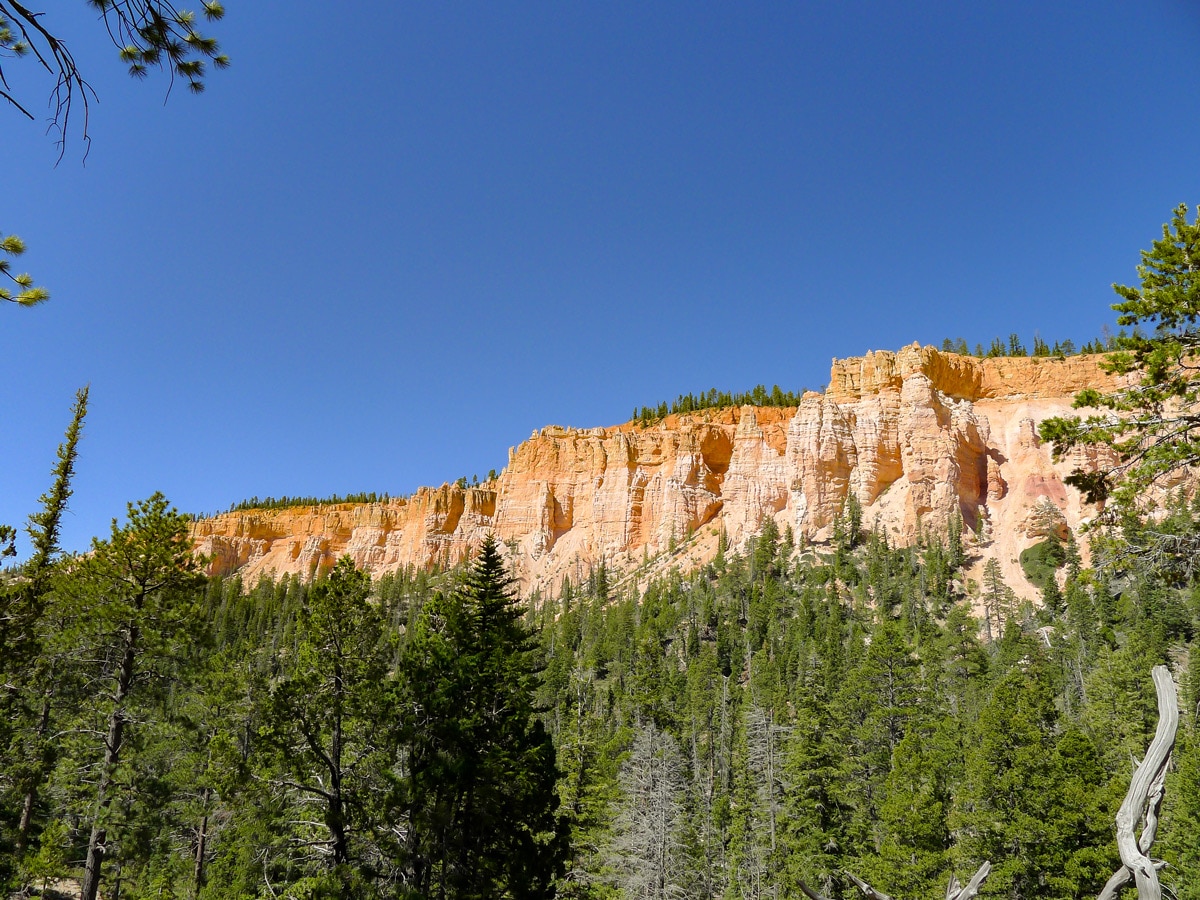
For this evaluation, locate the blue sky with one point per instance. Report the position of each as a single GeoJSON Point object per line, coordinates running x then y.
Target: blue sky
{"type": "Point", "coordinates": [388, 243]}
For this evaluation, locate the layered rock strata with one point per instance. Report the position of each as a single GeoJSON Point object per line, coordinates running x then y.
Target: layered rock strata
{"type": "Point", "coordinates": [914, 435]}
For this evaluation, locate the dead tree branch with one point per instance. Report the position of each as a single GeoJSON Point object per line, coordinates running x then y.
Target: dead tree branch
{"type": "Point", "coordinates": [867, 890]}
{"type": "Point", "coordinates": [954, 891]}
{"type": "Point", "coordinates": [1144, 800]}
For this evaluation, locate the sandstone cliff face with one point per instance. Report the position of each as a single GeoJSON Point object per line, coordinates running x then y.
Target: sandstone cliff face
{"type": "Point", "coordinates": [913, 435]}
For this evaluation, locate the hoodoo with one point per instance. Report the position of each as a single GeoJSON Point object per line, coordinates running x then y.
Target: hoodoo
{"type": "Point", "coordinates": [915, 436]}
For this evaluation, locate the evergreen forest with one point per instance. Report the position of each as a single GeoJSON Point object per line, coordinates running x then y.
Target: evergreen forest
{"type": "Point", "coordinates": [789, 719]}
{"type": "Point", "coordinates": [824, 719]}
{"type": "Point", "coordinates": [785, 714]}
{"type": "Point", "coordinates": [776, 396]}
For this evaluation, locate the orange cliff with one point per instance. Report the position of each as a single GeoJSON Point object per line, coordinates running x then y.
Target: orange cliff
{"type": "Point", "coordinates": [913, 435]}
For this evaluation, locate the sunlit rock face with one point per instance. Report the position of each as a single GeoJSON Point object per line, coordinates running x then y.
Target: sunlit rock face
{"type": "Point", "coordinates": [916, 436]}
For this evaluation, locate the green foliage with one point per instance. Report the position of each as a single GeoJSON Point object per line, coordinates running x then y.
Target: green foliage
{"type": "Point", "coordinates": [148, 34]}
{"type": "Point", "coordinates": [1151, 425]}
{"type": "Point", "coordinates": [50, 860]}
{"type": "Point", "coordinates": [999, 600]}
{"type": "Point", "coordinates": [21, 604]}
{"type": "Point", "coordinates": [155, 35]}
{"type": "Point", "coordinates": [27, 670]}
{"type": "Point", "coordinates": [286, 502]}
{"type": "Point", "coordinates": [914, 837]}
{"type": "Point", "coordinates": [321, 726]}
{"type": "Point", "coordinates": [1013, 347]}
{"type": "Point", "coordinates": [11, 246]}
{"type": "Point", "coordinates": [714, 399]}
{"type": "Point", "coordinates": [1009, 808]}
{"type": "Point", "coordinates": [1042, 561]}
{"type": "Point", "coordinates": [130, 615]}
{"type": "Point", "coordinates": [481, 791]}
{"type": "Point", "coordinates": [775, 717]}
{"type": "Point", "coordinates": [1181, 816]}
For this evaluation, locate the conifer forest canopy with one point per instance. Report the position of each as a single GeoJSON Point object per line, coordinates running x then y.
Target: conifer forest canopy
{"type": "Point", "coordinates": [791, 718]}
{"type": "Point", "coordinates": [827, 720]}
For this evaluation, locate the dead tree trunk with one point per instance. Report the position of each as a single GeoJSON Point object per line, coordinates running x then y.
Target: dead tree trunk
{"type": "Point", "coordinates": [954, 890]}
{"type": "Point", "coordinates": [1144, 800]}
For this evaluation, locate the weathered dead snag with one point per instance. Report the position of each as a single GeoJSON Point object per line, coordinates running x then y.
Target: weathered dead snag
{"type": "Point", "coordinates": [954, 890]}
{"type": "Point", "coordinates": [1144, 800]}
{"type": "Point", "coordinates": [1142, 803]}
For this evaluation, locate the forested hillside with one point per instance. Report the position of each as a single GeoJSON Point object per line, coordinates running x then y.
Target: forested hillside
{"type": "Point", "coordinates": [780, 721]}
{"type": "Point", "coordinates": [788, 713]}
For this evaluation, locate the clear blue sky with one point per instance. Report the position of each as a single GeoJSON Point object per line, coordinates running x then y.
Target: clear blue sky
{"type": "Point", "coordinates": [393, 239]}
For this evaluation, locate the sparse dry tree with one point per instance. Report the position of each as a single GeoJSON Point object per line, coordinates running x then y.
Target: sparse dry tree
{"type": "Point", "coordinates": [646, 855]}
{"type": "Point", "coordinates": [762, 738]}
{"type": "Point", "coordinates": [758, 863]}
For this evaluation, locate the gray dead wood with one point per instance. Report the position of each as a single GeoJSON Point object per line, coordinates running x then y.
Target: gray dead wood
{"type": "Point", "coordinates": [1144, 800]}
{"type": "Point", "coordinates": [953, 892]}
{"type": "Point", "coordinates": [867, 889]}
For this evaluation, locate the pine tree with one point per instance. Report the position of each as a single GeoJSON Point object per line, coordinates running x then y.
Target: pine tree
{"type": "Point", "coordinates": [1152, 424]}
{"type": "Point", "coordinates": [995, 599]}
{"type": "Point", "coordinates": [21, 603]}
{"type": "Point", "coordinates": [132, 610]}
{"type": "Point", "coordinates": [324, 733]}
{"type": "Point", "coordinates": [28, 674]}
{"type": "Point", "coordinates": [1009, 807]}
{"type": "Point", "coordinates": [877, 700]}
{"type": "Point", "coordinates": [1180, 839]}
{"type": "Point", "coordinates": [814, 827]}
{"type": "Point", "coordinates": [480, 798]}
{"type": "Point", "coordinates": [956, 556]}
{"type": "Point", "coordinates": [913, 836]}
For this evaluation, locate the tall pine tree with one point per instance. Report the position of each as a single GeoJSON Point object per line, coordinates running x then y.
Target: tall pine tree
{"type": "Point", "coordinates": [481, 798]}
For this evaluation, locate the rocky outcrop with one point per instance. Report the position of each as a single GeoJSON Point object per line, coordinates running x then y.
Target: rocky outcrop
{"type": "Point", "coordinates": [916, 436]}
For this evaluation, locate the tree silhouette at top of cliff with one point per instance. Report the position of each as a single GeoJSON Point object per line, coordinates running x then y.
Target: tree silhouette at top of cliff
{"type": "Point", "coordinates": [1153, 424]}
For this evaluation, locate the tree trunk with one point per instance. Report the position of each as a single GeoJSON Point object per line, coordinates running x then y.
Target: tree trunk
{"type": "Point", "coordinates": [30, 800]}
{"type": "Point", "coordinates": [97, 847]}
{"type": "Point", "coordinates": [201, 847]}
{"type": "Point", "coordinates": [337, 806]}
{"type": "Point", "coordinates": [1144, 799]}
{"type": "Point", "coordinates": [954, 890]}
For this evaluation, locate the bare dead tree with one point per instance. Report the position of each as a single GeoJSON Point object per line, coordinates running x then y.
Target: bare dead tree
{"type": "Point", "coordinates": [646, 853]}
{"type": "Point", "coordinates": [765, 768]}
{"type": "Point", "coordinates": [1144, 801]}
{"type": "Point", "coordinates": [954, 890]}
